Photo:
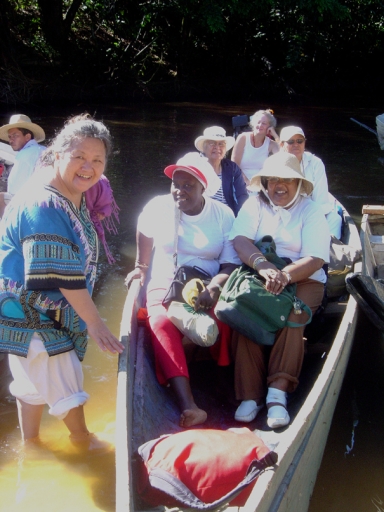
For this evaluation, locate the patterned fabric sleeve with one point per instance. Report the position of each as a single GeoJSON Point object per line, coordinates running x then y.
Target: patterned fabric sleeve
{"type": "Point", "coordinates": [52, 252]}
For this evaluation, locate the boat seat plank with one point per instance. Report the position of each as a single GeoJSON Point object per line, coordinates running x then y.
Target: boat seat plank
{"type": "Point", "coordinates": [373, 209]}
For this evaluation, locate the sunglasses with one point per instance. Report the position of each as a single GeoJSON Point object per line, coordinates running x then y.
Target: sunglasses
{"type": "Point", "coordinates": [275, 179]}
{"type": "Point", "coordinates": [213, 143]}
{"type": "Point", "coordinates": [293, 141]}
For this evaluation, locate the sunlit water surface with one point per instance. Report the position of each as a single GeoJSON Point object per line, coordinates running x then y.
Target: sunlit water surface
{"type": "Point", "coordinates": [147, 138]}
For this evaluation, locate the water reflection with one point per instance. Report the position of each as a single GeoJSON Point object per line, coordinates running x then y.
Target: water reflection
{"type": "Point", "coordinates": [146, 139]}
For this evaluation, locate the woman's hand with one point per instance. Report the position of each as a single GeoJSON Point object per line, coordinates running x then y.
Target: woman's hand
{"type": "Point", "coordinates": [137, 273]}
{"type": "Point", "coordinates": [275, 280]}
{"type": "Point", "coordinates": [272, 132]}
{"type": "Point", "coordinates": [104, 338]}
{"type": "Point", "coordinates": [207, 299]}
{"type": "Point", "coordinates": [84, 306]}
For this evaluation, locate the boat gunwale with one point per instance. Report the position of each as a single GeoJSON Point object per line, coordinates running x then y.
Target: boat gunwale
{"type": "Point", "coordinates": [297, 436]}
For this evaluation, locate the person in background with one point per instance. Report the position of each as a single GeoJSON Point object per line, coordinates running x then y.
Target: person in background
{"type": "Point", "coordinates": [251, 149]}
{"type": "Point", "coordinates": [48, 257]}
{"type": "Point", "coordinates": [214, 144]}
{"type": "Point", "coordinates": [292, 140]}
{"type": "Point", "coordinates": [23, 137]}
{"type": "Point", "coordinates": [103, 211]}
{"type": "Point", "coordinates": [300, 232]}
{"type": "Point", "coordinates": [202, 241]}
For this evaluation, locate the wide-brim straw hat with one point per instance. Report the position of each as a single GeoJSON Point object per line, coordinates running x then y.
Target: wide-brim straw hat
{"type": "Point", "coordinates": [214, 133]}
{"type": "Point", "coordinates": [289, 131]}
{"type": "Point", "coordinates": [281, 165]}
{"type": "Point", "coordinates": [199, 167]}
{"type": "Point", "coordinates": [22, 121]}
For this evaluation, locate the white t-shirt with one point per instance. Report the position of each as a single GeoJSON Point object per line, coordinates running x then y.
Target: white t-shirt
{"type": "Point", "coordinates": [298, 232]}
{"type": "Point", "coordinates": [314, 170]}
{"type": "Point", "coordinates": [24, 166]}
{"type": "Point", "coordinates": [202, 239]}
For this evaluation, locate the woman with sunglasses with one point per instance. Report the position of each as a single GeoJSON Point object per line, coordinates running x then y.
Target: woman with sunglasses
{"type": "Point", "coordinates": [292, 140]}
{"type": "Point", "coordinates": [253, 148]}
{"type": "Point", "coordinates": [300, 232]}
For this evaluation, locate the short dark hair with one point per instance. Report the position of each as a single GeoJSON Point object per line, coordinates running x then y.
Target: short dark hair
{"type": "Point", "coordinates": [25, 132]}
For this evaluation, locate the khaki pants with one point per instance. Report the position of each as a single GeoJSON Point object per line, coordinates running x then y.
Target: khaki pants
{"type": "Point", "coordinates": [257, 366]}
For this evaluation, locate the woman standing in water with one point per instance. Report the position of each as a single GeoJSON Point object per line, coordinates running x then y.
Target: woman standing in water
{"type": "Point", "coordinates": [48, 256]}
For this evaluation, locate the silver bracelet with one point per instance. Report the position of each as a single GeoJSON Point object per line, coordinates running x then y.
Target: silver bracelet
{"type": "Point", "coordinates": [258, 260]}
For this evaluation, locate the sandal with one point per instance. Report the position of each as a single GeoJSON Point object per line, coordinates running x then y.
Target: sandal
{"type": "Point", "coordinates": [277, 408]}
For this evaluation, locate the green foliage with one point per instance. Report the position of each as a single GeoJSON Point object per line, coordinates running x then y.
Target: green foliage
{"type": "Point", "coordinates": [279, 41]}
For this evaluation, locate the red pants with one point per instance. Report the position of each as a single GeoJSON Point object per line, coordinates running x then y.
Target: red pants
{"type": "Point", "coordinates": [255, 371]}
{"type": "Point", "coordinates": [167, 344]}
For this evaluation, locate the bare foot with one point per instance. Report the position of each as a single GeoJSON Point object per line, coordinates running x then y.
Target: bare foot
{"type": "Point", "coordinates": [88, 442]}
{"type": "Point", "coordinates": [190, 417]}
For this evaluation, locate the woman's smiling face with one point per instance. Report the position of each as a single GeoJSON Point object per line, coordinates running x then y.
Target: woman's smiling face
{"type": "Point", "coordinates": [79, 167]}
{"type": "Point", "coordinates": [281, 192]}
{"type": "Point", "coordinates": [187, 192]}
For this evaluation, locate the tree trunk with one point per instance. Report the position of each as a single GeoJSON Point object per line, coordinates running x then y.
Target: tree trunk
{"type": "Point", "coordinates": [55, 26]}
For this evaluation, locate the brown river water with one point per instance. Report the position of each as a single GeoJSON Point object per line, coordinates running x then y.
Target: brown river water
{"type": "Point", "coordinates": [147, 137]}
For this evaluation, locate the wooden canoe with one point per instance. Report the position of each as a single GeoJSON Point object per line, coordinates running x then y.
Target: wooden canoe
{"type": "Point", "coordinates": [367, 287]}
{"type": "Point", "coordinates": [380, 130]}
{"type": "Point", "coordinates": [372, 240]}
{"type": "Point", "coordinates": [146, 410]}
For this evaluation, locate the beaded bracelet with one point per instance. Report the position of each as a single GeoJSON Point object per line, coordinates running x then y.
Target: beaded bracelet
{"type": "Point", "coordinates": [288, 275]}
{"type": "Point", "coordinates": [258, 260]}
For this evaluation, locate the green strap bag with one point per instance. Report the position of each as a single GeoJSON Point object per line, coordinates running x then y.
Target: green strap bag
{"type": "Point", "coordinates": [246, 306]}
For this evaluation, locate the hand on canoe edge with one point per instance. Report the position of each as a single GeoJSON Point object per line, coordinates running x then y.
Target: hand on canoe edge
{"type": "Point", "coordinates": [136, 273]}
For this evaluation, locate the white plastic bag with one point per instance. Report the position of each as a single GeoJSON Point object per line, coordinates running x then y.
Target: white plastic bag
{"type": "Point", "coordinates": [195, 325]}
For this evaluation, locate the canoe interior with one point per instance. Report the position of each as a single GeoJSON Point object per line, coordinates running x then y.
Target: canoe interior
{"type": "Point", "coordinates": [380, 130]}
{"type": "Point", "coordinates": [152, 410]}
{"type": "Point", "coordinates": [372, 233]}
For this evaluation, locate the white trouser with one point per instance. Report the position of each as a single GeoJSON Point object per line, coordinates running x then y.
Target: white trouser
{"type": "Point", "coordinates": [40, 379]}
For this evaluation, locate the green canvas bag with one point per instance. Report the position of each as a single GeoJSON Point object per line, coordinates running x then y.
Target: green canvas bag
{"type": "Point", "coordinates": [248, 308]}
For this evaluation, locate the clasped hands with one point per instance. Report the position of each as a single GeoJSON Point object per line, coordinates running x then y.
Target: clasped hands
{"type": "Point", "coordinates": [275, 280]}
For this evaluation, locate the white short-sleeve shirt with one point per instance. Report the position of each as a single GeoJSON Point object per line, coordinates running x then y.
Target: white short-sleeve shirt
{"type": "Point", "coordinates": [24, 166]}
{"type": "Point", "coordinates": [203, 240]}
{"type": "Point", "coordinates": [304, 232]}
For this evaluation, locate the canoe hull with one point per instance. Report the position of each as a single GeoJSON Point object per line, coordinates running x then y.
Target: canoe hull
{"type": "Point", "coordinates": [300, 447]}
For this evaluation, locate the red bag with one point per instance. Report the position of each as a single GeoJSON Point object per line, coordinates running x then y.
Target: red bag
{"type": "Point", "coordinates": [202, 468]}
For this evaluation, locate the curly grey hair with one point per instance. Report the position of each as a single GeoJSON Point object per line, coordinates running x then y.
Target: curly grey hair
{"type": "Point", "coordinates": [78, 127]}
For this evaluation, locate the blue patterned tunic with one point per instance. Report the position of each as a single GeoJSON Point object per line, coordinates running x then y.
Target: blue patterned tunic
{"type": "Point", "coordinates": [46, 243]}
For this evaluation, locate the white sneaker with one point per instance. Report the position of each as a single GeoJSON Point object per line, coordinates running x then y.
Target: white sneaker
{"type": "Point", "coordinates": [277, 414]}
{"type": "Point", "coordinates": [247, 411]}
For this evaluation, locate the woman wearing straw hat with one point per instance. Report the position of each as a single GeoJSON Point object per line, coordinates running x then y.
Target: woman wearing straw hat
{"type": "Point", "coordinates": [202, 241]}
{"type": "Point", "coordinates": [23, 136]}
{"type": "Point", "coordinates": [292, 140]}
{"type": "Point", "coordinates": [301, 233]}
{"type": "Point", "coordinates": [253, 148]}
{"type": "Point", "coordinates": [214, 144]}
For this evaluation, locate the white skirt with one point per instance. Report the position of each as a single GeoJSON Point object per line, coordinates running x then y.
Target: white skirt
{"type": "Point", "coordinates": [40, 379]}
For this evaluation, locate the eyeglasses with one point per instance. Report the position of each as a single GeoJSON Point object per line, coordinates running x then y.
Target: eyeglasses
{"type": "Point", "coordinates": [213, 143]}
{"type": "Point", "coordinates": [293, 141]}
{"type": "Point", "coordinates": [275, 179]}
